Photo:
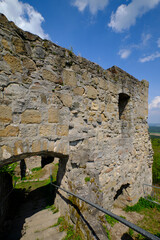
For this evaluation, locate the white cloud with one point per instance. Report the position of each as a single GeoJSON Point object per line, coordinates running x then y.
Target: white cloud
{"type": "Point", "coordinates": [94, 5]}
{"type": "Point", "coordinates": [158, 42]}
{"type": "Point", "coordinates": [23, 15]}
{"type": "Point", "coordinates": [124, 53]}
{"type": "Point", "coordinates": [126, 15]}
{"type": "Point", "coordinates": [149, 58]}
{"type": "Point", "coordinates": [155, 103]}
{"type": "Point", "coordinates": [145, 38]}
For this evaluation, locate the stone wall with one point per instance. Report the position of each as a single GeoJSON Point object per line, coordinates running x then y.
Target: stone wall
{"type": "Point", "coordinates": [55, 103]}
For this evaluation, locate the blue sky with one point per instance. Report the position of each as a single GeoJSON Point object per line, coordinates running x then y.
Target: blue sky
{"type": "Point", "coordinates": [125, 33]}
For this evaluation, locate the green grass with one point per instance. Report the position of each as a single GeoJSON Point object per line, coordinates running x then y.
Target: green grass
{"type": "Point", "coordinates": [59, 221]}
{"type": "Point", "coordinates": [156, 157]}
{"type": "Point", "coordinates": [36, 169]}
{"type": "Point", "coordinates": [110, 220]}
{"type": "Point", "coordinates": [52, 208]}
{"type": "Point", "coordinates": [37, 173]}
{"type": "Point", "coordinates": [71, 234]}
{"type": "Point", "coordinates": [142, 204]}
{"type": "Point", "coordinates": [64, 226]}
{"type": "Point", "coordinates": [131, 232]}
{"type": "Point", "coordinates": [107, 232]}
{"type": "Point", "coordinates": [29, 186]}
{"type": "Point", "coordinates": [151, 219]}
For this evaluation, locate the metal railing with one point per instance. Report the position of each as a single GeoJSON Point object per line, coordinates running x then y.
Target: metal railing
{"type": "Point", "coordinates": [155, 193]}
{"type": "Point", "coordinates": [122, 220]}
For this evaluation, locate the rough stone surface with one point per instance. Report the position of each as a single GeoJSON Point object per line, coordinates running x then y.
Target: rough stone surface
{"type": "Point", "coordinates": [6, 114]}
{"type": "Point", "coordinates": [13, 62]}
{"type": "Point", "coordinates": [31, 116]}
{"type": "Point", "coordinates": [94, 120]}
{"type": "Point", "coordinates": [53, 115]}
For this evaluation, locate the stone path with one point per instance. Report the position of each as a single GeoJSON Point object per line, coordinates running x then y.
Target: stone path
{"type": "Point", "coordinates": [32, 220]}
{"type": "Point", "coordinates": [40, 227]}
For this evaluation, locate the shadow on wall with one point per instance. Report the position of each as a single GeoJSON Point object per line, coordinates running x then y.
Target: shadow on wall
{"type": "Point", "coordinates": [85, 222]}
{"type": "Point", "coordinates": [120, 191]}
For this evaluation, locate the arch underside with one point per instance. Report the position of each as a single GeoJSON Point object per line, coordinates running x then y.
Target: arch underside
{"type": "Point", "coordinates": [31, 154]}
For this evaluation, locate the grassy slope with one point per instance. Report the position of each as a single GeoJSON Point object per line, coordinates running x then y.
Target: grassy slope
{"type": "Point", "coordinates": [156, 163]}
{"type": "Point", "coordinates": [36, 174]}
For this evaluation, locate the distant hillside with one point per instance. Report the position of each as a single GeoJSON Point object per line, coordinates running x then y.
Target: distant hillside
{"type": "Point", "coordinates": [154, 128]}
{"type": "Point", "coordinates": [154, 124]}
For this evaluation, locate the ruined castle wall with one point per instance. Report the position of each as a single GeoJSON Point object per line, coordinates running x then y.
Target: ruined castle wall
{"type": "Point", "coordinates": [53, 102]}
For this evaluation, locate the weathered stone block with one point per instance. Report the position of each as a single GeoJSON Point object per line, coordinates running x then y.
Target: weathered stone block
{"type": "Point", "coordinates": [5, 44]}
{"type": "Point", "coordinates": [66, 99]}
{"type": "Point", "coordinates": [39, 52]}
{"type": "Point", "coordinates": [79, 91]}
{"type": "Point", "coordinates": [95, 80]}
{"type": "Point", "coordinates": [50, 76]}
{"type": "Point", "coordinates": [46, 130]}
{"type": "Point", "coordinates": [86, 76]}
{"type": "Point", "coordinates": [103, 84]}
{"type": "Point", "coordinates": [13, 62]}
{"type": "Point", "coordinates": [5, 114]}
{"type": "Point", "coordinates": [29, 64]}
{"type": "Point", "coordinates": [94, 106]}
{"type": "Point", "coordinates": [43, 98]}
{"type": "Point", "coordinates": [19, 45]}
{"type": "Point", "coordinates": [51, 146]}
{"type": "Point", "coordinates": [18, 148]}
{"type": "Point", "coordinates": [28, 131]}
{"type": "Point", "coordinates": [9, 131]}
{"type": "Point", "coordinates": [62, 130]}
{"type": "Point", "coordinates": [91, 92]}
{"type": "Point", "coordinates": [31, 116]}
{"type": "Point", "coordinates": [36, 146]}
{"type": "Point", "coordinates": [44, 145]}
{"type": "Point", "coordinates": [62, 147]}
{"type": "Point", "coordinates": [110, 107]}
{"type": "Point", "coordinates": [6, 152]}
{"type": "Point", "coordinates": [69, 78]}
{"type": "Point", "coordinates": [53, 115]}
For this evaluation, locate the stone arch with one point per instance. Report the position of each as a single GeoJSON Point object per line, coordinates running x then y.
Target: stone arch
{"type": "Point", "coordinates": [44, 154]}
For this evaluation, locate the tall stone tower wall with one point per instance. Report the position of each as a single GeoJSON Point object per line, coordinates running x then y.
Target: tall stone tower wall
{"type": "Point", "coordinates": [55, 103]}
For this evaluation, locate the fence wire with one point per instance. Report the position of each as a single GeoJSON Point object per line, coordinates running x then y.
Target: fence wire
{"type": "Point", "coordinates": [155, 193]}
